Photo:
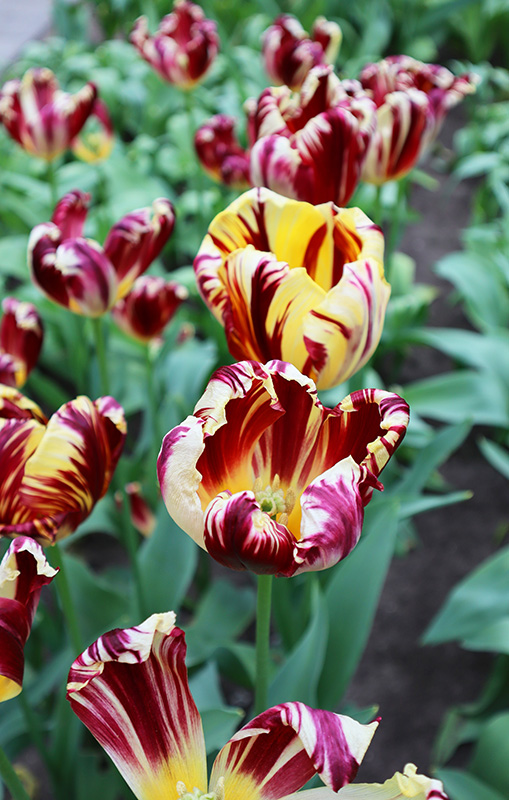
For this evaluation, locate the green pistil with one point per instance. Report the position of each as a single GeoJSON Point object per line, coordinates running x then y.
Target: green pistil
{"type": "Point", "coordinates": [272, 499]}
{"type": "Point", "coordinates": [196, 794]}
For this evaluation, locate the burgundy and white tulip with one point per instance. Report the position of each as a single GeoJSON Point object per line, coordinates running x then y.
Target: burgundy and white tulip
{"type": "Point", "coordinates": [220, 153]}
{"type": "Point", "coordinates": [80, 274]}
{"type": "Point", "coordinates": [311, 146]}
{"type": "Point", "coordinates": [412, 100]}
{"type": "Point", "coordinates": [46, 121]}
{"type": "Point", "coordinates": [148, 307]}
{"type": "Point", "coordinates": [132, 682]}
{"type": "Point", "coordinates": [21, 335]}
{"type": "Point", "coordinates": [265, 478]}
{"type": "Point", "coordinates": [289, 53]}
{"type": "Point", "coordinates": [24, 570]}
{"type": "Point", "coordinates": [184, 46]}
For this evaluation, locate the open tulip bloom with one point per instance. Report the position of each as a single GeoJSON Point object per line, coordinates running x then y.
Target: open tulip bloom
{"type": "Point", "coordinates": [130, 689]}
{"type": "Point", "coordinates": [265, 478]}
{"type": "Point", "coordinates": [412, 99]}
{"type": "Point", "coordinates": [221, 154]}
{"type": "Point", "coordinates": [80, 274]}
{"type": "Point", "coordinates": [297, 282]}
{"type": "Point", "coordinates": [52, 472]}
{"type": "Point", "coordinates": [184, 46]}
{"type": "Point", "coordinates": [46, 121]}
{"type": "Point", "coordinates": [24, 570]}
{"type": "Point", "coordinates": [21, 334]}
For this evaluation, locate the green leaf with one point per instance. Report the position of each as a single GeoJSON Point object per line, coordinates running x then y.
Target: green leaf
{"type": "Point", "coordinates": [167, 562]}
{"type": "Point", "coordinates": [460, 785]}
{"type": "Point", "coordinates": [95, 777]}
{"type": "Point", "coordinates": [418, 505]}
{"type": "Point", "coordinates": [13, 257]}
{"type": "Point", "coordinates": [299, 675]}
{"type": "Point", "coordinates": [185, 372]}
{"type": "Point", "coordinates": [491, 754]}
{"type": "Point", "coordinates": [352, 597]}
{"type": "Point", "coordinates": [477, 603]}
{"type": "Point", "coordinates": [219, 720]}
{"type": "Point", "coordinates": [223, 614]}
{"type": "Point", "coordinates": [470, 348]}
{"type": "Point", "coordinates": [98, 606]}
{"type": "Point", "coordinates": [496, 455]}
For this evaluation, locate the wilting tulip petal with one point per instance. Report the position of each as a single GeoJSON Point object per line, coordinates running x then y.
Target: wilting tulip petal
{"type": "Point", "coordinates": [402, 785]}
{"type": "Point", "coordinates": [137, 239]}
{"type": "Point", "coordinates": [184, 46]}
{"type": "Point", "coordinates": [24, 570]}
{"type": "Point", "coordinates": [294, 281]}
{"type": "Point", "coordinates": [148, 307]}
{"type": "Point", "coordinates": [265, 478]}
{"type": "Point", "coordinates": [220, 153]}
{"type": "Point", "coordinates": [133, 682]}
{"type": "Point", "coordinates": [40, 117]}
{"type": "Point", "coordinates": [95, 142]}
{"type": "Point", "coordinates": [53, 472]}
{"type": "Point", "coordinates": [412, 99]}
{"type": "Point", "coordinates": [70, 214]}
{"type": "Point", "coordinates": [21, 334]}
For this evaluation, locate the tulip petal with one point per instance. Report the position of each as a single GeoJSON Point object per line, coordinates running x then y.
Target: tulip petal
{"type": "Point", "coordinates": [402, 785]}
{"type": "Point", "coordinates": [130, 689]}
{"type": "Point", "coordinates": [24, 570]}
{"type": "Point", "coordinates": [282, 748]}
{"type": "Point", "coordinates": [21, 334]}
{"type": "Point", "coordinates": [70, 214]}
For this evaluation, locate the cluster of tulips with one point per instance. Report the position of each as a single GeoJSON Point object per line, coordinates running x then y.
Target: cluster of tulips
{"type": "Point", "coordinates": [262, 476]}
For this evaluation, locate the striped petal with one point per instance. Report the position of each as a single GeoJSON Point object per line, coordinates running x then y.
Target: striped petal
{"type": "Point", "coordinates": [21, 334]}
{"type": "Point", "coordinates": [130, 689]}
{"type": "Point", "coordinates": [282, 748]}
{"type": "Point", "coordinates": [70, 213]}
{"type": "Point", "coordinates": [24, 570]}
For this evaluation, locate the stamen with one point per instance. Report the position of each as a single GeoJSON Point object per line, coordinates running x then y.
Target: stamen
{"type": "Point", "coordinates": [272, 499]}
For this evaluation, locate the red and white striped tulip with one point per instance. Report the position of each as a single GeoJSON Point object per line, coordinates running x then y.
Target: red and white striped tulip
{"type": "Point", "coordinates": [289, 53]}
{"type": "Point", "coordinates": [312, 146]}
{"type": "Point", "coordinates": [52, 472]}
{"type": "Point", "coordinates": [24, 570]}
{"type": "Point", "coordinates": [265, 478]}
{"type": "Point", "coordinates": [80, 274]}
{"type": "Point", "coordinates": [412, 99]}
{"type": "Point", "coordinates": [21, 335]}
{"type": "Point", "coordinates": [43, 119]}
{"type": "Point", "coordinates": [184, 46]}
{"type": "Point", "coordinates": [220, 153]}
{"type": "Point", "coordinates": [132, 682]}
{"type": "Point", "coordinates": [294, 281]}
{"type": "Point", "coordinates": [148, 307]}
{"type": "Point", "coordinates": [408, 783]}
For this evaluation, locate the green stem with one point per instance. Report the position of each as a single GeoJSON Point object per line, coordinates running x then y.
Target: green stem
{"type": "Point", "coordinates": [51, 177]}
{"type": "Point", "coordinates": [100, 349]}
{"type": "Point", "coordinates": [377, 207]}
{"type": "Point", "coordinates": [394, 232]}
{"type": "Point", "coordinates": [11, 779]}
{"type": "Point", "coordinates": [35, 728]}
{"type": "Point", "coordinates": [263, 609]}
{"type": "Point", "coordinates": [152, 423]}
{"type": "Point", "coordinates": [66, 601]}
{"type": "Point", "coordinates": [130, 539]}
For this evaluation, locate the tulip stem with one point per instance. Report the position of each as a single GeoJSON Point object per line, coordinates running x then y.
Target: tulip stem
{"type": "Point", "coordinates": [263, 611]}
{"type": "Point", "coordinates": [152, 423]}
{"type": "Point", "coordinates": [66, 601]}
{"type": "Point", "coordinates": [131, 544]}
{"type": "Point", "coordinates": [51, 177]}
{"type": "Point", "coordinates": [11, 779]}
{"type": "Point", "coordinates": [100, 349]}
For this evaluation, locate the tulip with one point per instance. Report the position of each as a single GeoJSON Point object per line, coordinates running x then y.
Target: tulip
{"type": "Point", "coordinates": [220, 154]}
{"type": "Point", "coordinates": [81, 275]}
{"type": "Point", "coordinates": [21, 334]}
{"type": "Point", "coordinates": [184, 47]}
{"type": "Point", "coordinates": [96, 144]}
{"type": "Point", "coordinates": [294, 281]}
{"type": "Point", "coordinates": [312, 146]}
{"type": "Point", "coordinates": [24, 570]}
{"type": "Point", "coordinates": [42, 118]}
{"type": "Point", "coordinates": [148, 307]}
{"type": "Point", "coordinates": [142, 516]}
{"type": "Point", "coordinates": [289, 53]}
{"type": "Point", "coordinates": [402, 785]}
{"type": "Point", "coordinates": [412, 100]}
{"type": "Point", "coordinates": [131, 683]}
{"type": "Point", "coordinates": [265, 478]}
{"type": "Point", "coordinates": [52, 472]}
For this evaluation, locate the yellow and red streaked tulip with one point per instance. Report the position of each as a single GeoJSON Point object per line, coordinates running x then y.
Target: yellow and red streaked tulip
{"type": "Point", "coordinates": [52, 472]}
{"type": "Point", "coordinates": [142, 516]}
{"type": "Point", "coordinates": [148, 307]}
{"type": "Point", "coordinates": [184, 46]}
{"type": "Point", "coordinates": [21, 335]}
{"type": "Point", "coordinates": [79, 273]}
{"type": "Point", "coordinates": [132, 682]}
{"type": "Point", "coordinates": [220, 153]}
{"type": "Point", "coordinates": [289, 53]}
{"type": "Point", "coordinates": [96, 143]}
{"type": "Point", "coordinates": [42, 118]}
{"type": "Point", "coordinates": [312, 146]}
{"type": "Point", "coordinates": [408, 783]}
{"type": "Point", "coordinates": [265, 478]}
{"type": "Point", "coordinates": [294, 281]}
{"type": "Point", "coordinates": [412, 99]}
{"type": "Point", "coordinates": [24, 570]}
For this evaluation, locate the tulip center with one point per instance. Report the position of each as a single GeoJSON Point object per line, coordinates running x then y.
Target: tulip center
{"type": "Point", "coordinates": [273, 501]}
{"type": "Point", "coordinates": [196, 794]}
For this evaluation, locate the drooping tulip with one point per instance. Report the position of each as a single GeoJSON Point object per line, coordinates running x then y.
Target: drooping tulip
{"type": "Point", "coordinates": [21, 335]}
{"type": "Point", "coordinates": [220, 153]}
